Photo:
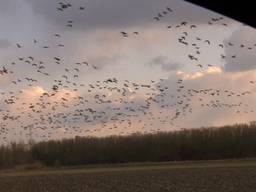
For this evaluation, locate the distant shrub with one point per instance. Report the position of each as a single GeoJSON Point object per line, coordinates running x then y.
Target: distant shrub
{"type": "Point", "coordinates": [32, 166]}
{"type": "Point", "coordinates": [237, 141]}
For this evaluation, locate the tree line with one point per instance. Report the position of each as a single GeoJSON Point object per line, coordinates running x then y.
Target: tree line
{"type": "Point", "coordinates": [227, 142]}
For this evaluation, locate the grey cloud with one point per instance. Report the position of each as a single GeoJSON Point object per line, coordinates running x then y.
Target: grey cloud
{"type": "Point", "coordinates": [211, 116]}
{"type": "Point", "coordinates": [166, 65]}
{"type": "Point", "coordinates": [4, 43]}
{"type": "Point", "coordinates": [97, 12]}
{"type": "Point", "coordinates": [8, 6]}
{"type": "Point", "coordinates": [118, 13]}
{"type": "Point", "coordinates": [245, 58]}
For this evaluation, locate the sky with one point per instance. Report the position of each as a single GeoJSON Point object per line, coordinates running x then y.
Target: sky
{"type": "Point", "coordinates": [116, 67]}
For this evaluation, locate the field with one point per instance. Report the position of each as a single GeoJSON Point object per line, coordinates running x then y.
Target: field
{"type": "Point", "coordinates": [212, 176]}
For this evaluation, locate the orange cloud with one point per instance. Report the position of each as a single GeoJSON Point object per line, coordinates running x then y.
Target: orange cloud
{"type": "Point", "coordinates": [197, 75]}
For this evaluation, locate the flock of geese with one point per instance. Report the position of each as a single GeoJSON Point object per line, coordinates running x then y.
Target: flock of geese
{"type": "Point", "coordinates": [112, 105]}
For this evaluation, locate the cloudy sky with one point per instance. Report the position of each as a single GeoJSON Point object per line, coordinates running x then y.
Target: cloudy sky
{"type": "Point", "coordinates": [95, 67]}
